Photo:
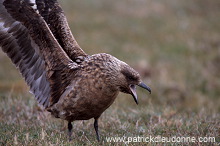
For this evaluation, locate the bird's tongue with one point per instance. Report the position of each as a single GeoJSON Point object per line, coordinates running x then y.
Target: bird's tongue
{"type": "Point", "coordinates": [134, 94]}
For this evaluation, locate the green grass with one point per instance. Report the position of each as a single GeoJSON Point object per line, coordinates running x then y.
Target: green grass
{"type": "Point", "coordinates": [175, 47]}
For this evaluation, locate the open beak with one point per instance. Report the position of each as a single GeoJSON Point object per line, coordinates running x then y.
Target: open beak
{"type": "Point", "coordinates": [134, 93]}
{"type": "Point", "coordinates": [145, 87]}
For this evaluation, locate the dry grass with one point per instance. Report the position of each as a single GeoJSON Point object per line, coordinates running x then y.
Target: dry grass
{"type": "Point", "coordinates": [174, 45]}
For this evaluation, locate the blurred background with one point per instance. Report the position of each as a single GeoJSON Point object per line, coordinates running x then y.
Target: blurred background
{"type": "Point", "coordinates": [175, 46]}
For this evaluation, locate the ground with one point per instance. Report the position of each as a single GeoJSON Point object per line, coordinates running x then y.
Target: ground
{"type": "Point", "coordinates": [175, 47]}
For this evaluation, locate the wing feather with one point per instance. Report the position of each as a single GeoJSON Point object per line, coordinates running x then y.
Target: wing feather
{"type": "Point", "coordinates": [53, 14]}
{"type": "Point", "coordinates": [29, 43]}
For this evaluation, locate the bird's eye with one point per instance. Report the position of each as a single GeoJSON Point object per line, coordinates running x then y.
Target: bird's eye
{"type": "Point", "coordinates": [130, 77]}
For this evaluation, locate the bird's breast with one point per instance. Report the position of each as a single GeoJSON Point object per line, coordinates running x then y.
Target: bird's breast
{"type": "Point", "coordinates": [84, 99]}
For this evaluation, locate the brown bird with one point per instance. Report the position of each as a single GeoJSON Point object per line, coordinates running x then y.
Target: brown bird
{"type": "Point", "coordinates": [70, 84]}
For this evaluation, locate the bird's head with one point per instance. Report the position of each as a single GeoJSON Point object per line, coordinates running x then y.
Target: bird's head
{"type": "Point", "coordinates": [129, 79]}
{"type": "Point", "coordinates": [120, 74]}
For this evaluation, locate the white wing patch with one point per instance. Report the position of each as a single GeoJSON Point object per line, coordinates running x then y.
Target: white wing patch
{"type": "Point", "coordinates": [33, 5]}
{"type": "Point", "coordinates": [16, 42]}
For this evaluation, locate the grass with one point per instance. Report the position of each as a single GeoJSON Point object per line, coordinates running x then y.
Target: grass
{"type": "Point", "coordinates": [173, 44]}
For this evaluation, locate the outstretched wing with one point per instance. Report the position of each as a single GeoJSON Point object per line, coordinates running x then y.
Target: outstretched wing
{"type": "Point", "coordinates": [27, 40]}
{"type": "Point", "coordinates": [53, 14]}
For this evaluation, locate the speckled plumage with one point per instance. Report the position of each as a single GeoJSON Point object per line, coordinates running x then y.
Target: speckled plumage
{"type": "Point", "coordinates": [63, 78]}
